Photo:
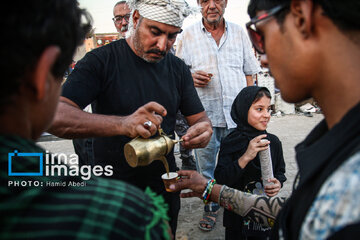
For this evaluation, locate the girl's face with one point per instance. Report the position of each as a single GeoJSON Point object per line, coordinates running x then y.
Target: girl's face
{"type": "Point", "coordinates": [259, 113]}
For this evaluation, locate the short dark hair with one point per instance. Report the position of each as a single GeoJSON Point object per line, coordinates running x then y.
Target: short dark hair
{"type": "Point", "coordinates": [31, 27]}
{"type": "Point", "coordinates": [344, 14]}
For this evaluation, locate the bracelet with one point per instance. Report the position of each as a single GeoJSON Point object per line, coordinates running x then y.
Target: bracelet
{"type": "Point", "coordinates": [204, 193]}
{"type": "Point", "coordinates": [207, 192]}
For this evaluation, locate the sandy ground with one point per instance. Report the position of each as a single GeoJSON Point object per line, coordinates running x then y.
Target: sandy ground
{"type": "Point", "coordinates": [291, 129]}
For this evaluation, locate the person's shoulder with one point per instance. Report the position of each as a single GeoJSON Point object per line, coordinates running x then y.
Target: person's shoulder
{"type": "Point", "coordinates": [337, 203]}
{"type": "Point", "coordinates": [345, 179]}
{"type": "Point", "coordinates": [145, 208]}
{"type": "Point", "coordinates": [10, 142]}
{"type": "Point", "coordinates": [131, 208]}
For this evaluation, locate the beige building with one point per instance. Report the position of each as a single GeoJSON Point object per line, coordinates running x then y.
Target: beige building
{"type": "Point", "coordinates": [95, 41]}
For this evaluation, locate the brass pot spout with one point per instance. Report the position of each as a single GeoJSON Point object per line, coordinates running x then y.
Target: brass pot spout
{"type": "Point", "coordinates": [142, 152]}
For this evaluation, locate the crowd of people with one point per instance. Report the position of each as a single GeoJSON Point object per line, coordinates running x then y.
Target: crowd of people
{"type": "Point", "coordinates": [136, 86]}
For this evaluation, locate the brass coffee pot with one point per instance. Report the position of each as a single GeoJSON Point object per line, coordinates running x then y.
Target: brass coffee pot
{"type": "Point", "coordinates": [142, 152]}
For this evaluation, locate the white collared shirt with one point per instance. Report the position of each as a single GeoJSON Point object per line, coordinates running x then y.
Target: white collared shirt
{"type": "Point", "coordinates": [229, 63]}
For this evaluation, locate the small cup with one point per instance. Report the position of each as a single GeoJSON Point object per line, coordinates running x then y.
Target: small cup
{"type": "Point", "coordinates": [173, 178]}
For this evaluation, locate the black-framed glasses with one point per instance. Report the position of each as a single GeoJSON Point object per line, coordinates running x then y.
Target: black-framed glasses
{"type": "Point", "coordinates": [118, 19]}
{"type": "Point", "coordinates": [256, 38]}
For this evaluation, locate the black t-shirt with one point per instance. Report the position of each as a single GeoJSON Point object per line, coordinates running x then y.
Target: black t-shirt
{"type": "Point", "coordinates": [117, 82]}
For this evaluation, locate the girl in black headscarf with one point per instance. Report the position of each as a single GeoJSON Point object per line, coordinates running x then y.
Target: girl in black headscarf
{"type": "Point", "coordinates": [238, 163]}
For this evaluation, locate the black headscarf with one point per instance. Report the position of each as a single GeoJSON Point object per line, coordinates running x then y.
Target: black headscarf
{"type": "Point", "coordinates": [238, 140]}
{"type": "Point", "coordinates": [234, 145]}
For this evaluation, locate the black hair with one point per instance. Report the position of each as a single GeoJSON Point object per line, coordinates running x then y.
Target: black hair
{"type": "Point", "coordinates": [31, 27]}
{"type": "Point", "coordinates": [344, 14]}
{"type": "Point", "coordinates": [261, 93]}
{"type": "Point", "coordinates": [259, 5]}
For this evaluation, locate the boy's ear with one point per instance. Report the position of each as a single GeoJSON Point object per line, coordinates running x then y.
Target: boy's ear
{"type": "Point", "coordinates": [42, 70]}
{"type": "Point", "coordinates": [302, 11]}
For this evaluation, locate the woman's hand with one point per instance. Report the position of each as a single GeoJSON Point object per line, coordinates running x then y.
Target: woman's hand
{"type": "Point", "coordinates": [272, 189]}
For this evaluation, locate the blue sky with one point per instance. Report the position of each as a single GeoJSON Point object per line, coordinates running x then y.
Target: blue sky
{"type": "Point", "coordinates": [101, 11]}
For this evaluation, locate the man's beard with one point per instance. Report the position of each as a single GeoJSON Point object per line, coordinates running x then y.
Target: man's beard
{"type": "Point", "coordinates": [140, 49]}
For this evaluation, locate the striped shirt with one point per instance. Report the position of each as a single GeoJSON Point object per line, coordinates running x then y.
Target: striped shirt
{"type": "Point", "coordinates": [103, 209]}
{"type": "Point", "coordinates": [229, 63]}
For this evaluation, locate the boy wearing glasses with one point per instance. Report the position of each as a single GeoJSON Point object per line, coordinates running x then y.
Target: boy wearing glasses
{"type": "Point", "coordinates": [323, 38]}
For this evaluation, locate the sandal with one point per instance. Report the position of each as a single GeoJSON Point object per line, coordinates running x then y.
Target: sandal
{"type": "Point", "coordinates": [209, 220]}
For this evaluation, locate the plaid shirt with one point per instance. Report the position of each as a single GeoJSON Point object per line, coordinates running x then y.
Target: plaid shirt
{"type": "Point", "coordinates": [229, 63]}
{"type": "Point", "coordinates": [103, 209]}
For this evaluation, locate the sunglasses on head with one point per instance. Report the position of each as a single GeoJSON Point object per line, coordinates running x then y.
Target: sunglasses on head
{"type": "Point", "coordinates": [256, 38]}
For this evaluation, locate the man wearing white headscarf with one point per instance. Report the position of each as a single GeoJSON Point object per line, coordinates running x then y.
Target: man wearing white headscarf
{"type": "Point", "coordinates": [171, 12]}
{"type": "Point", "coordinates": [135, 86]}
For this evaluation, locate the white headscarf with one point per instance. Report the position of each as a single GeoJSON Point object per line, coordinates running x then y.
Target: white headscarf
{"type": "Point", "coordinates": [171, 12]}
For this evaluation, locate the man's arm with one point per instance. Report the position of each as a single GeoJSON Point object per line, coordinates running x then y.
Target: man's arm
{"type": "Point", "coordinates": [200, 131]}
{"type": "Point", "coordinates": [71, 122]}
{"type": "Point", "coordinates": [260, 209]}
{"type": "Point", "coordinates": [249, 80]}
{"type": "Point", "coordinates": [245, 204]}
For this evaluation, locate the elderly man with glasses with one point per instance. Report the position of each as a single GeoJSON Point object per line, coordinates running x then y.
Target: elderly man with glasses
{"type": "Point", "coordinates": [312, 48]}
{"type": "Point", "coordinates": [121, 17]}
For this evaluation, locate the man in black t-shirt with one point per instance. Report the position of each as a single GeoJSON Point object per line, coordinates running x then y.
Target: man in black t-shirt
{"type": "Point", "coordinates": [130, 82]}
